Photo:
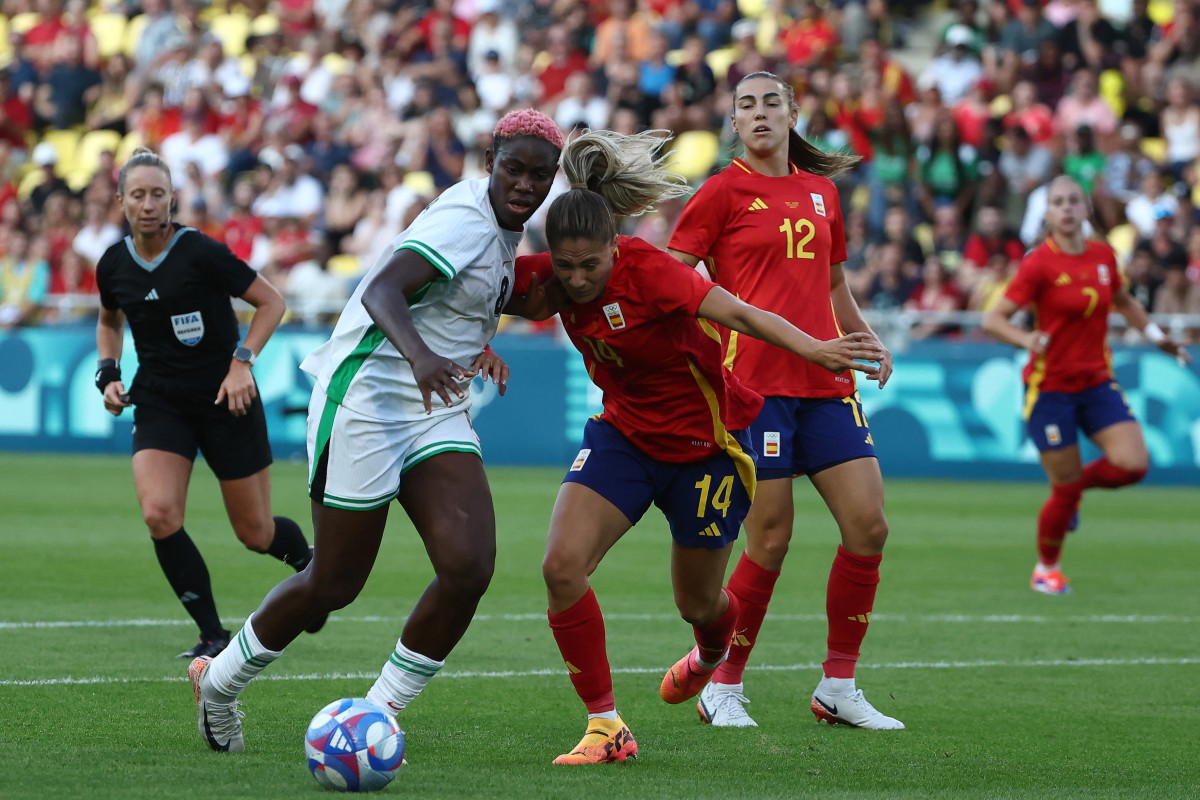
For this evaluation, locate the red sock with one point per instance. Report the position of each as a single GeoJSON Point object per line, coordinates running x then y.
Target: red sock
{"type": "Point", "coordinates": [1103, 474]}
{"type": "Point", "coordinates": [1055, 517]}
{"type": "Point", "coordinates": [713, 638]}
{"type": "Point", "coordinates": [849, 599]}
{"type": "Point", "coordinates": [579, 634]}
{"type": "Point", "coordinates": [752, 586]}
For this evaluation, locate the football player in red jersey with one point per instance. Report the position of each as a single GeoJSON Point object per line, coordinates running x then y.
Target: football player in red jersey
{"type": "Point", "coordinates": [769, 229]}
{"type": "Point", "coordinates": [1071, 283]}
{"type": "Point", "coordinates": [671, 432]}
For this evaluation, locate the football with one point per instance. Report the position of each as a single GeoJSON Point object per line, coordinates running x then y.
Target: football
{"type": "Point", "coordinates": [353, 746]}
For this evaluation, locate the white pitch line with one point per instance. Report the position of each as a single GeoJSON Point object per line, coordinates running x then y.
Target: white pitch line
{"type": "Point", "coordinates": [971, 619]}
{"type": "Point", "coordinates": [536, 673]}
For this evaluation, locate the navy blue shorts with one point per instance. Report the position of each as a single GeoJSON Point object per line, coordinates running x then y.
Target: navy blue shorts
{"type": "Point", "coordinates": [1054, 418]}
{"type": "Point", "coordinates": [802, 436]}
{"type": "Point", "coordinates": [704, 501]}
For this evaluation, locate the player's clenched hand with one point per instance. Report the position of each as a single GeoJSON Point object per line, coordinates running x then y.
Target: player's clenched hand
{"type": "Point", "coordinates": [838, 355]}
{"type": "Point", "coordinates": [1169, 345]}
{"type": "Point", "coordinates": [1038, 342]}
{"type": "Point", "coordinates": [237, 390]}
{"type": "Point", "coordinates": [440, 376]}
{"type": "Point", "coordinates": [490, 365]}
{"type": "Point", "coordinates": [115, 399]}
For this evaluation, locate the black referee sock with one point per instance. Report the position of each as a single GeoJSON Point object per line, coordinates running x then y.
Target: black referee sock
{"type": "Point", "coordinates": [184, 567]}
{"type": "Point", "coordinates": [289, 544]}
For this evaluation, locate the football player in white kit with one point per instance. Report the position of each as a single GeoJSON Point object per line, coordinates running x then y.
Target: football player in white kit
{"type": "Point", "coordinates": [389, 420]}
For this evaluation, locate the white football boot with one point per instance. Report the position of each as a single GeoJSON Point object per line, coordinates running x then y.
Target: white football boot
{"type": "Point", "coordinates": [220, 723]}
{"type": "Point", "coordinates": [838, 702]}
{"type": "Point", "coordinates": [724, 705]}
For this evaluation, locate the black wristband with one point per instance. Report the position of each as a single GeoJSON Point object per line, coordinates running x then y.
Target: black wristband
{"type": "Point", "coordinates": [107, 371]}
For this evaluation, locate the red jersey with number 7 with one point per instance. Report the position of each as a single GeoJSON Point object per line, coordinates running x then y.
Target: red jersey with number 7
{"type": "Point", "coordinates": [1071, 295]}
{"type": "Point", "coordinates": [771, 241]}
{"type": "Point", "coordinates": [660, 367]}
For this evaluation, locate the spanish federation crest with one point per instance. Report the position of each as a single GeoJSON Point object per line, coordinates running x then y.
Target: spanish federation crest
{"type": "Point", "coordinates": [189, 328]}
{"type": "Point", "coordinates": [1102, 273]}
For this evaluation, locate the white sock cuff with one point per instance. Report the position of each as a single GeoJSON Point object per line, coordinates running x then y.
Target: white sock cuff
{"type": "Point", "coordinates": [414, 661]}
{"type": "Point", "coordinates": [251, 646]}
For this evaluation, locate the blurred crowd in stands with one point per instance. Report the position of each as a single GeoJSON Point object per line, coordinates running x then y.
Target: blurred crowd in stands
{"type": "Point", "coordinates": [307, 133]}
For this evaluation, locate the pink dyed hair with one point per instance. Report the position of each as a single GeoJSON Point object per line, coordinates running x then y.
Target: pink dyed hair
{"type": "Point", "coordinates": [528, 122]}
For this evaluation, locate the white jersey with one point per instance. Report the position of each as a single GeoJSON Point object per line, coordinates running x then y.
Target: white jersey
{"type": "Point", "coordinates": [456, 315]}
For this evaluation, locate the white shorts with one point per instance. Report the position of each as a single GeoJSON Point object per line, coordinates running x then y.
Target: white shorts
{"type": "Point", "coordinates": [365, 457]}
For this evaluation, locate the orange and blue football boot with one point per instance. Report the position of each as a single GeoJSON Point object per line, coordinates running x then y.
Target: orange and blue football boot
{"type": "Point", "coordinates": [606, 740]}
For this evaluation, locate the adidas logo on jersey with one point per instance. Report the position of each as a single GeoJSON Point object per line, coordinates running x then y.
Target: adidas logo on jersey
{"type": "Point", "coordinates": [758, 205]}
{"type": "Point", "coordinates": [153, 295]}
{"type": "Point", "coordinates": [1062, 280]}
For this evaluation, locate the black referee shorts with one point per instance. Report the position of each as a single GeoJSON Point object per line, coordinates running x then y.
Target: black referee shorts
{"type": "Point", "coordinates": [234, 447]}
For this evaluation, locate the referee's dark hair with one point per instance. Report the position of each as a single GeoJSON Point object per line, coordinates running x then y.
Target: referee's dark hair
{"type": "Point", "coordinates": [142, 157]}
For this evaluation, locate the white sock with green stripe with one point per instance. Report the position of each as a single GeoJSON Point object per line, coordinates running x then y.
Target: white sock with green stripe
{"type": "Point", "coordinates": [402, 678]}
{"type": "Point", "coordinates": [236, 666]}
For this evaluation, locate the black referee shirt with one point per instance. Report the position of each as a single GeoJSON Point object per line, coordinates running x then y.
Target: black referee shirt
{"type": "Point", "coordinates": [179, 310]}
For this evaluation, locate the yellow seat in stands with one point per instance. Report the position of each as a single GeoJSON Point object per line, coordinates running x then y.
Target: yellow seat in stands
{"type": "Point", "coordinates": [420, 182]}
{"type": "Point", "coordinates": [1122, 238]}
{"type": "Point", "coordinates": [719, 61]}
{"type": "Point", "coordinates": [1155, 149]}
{"type": "Point", "coordinates": [109, 30]}
{"type": "Point", "coordinates": [94, 143]}
{"type": "Point", "coordinates": [131, 141]}
{"type": "Point", "coordinates": [232, 30]}
{"type": "Point", "coordinates": [31, 181]}
{"type": "Point", "coordinates": [345, 265]}
{"type": "Point", "coordinates": [133, 32]}
{"type": "Point", "coordinates": [66, 145]}
{"type": "Point", "coordinates": [695, 152]}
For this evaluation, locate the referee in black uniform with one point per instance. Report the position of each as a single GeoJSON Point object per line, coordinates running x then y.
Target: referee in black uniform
{"type": "Point", "coordinates": [193, 389]}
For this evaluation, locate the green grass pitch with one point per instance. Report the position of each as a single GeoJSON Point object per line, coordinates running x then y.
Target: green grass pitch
{"type": "Point", "coordinates": [1005, 693]}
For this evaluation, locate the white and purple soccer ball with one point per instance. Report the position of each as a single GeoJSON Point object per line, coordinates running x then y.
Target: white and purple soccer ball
{"type": "Point", "coordinates": [353, 746]}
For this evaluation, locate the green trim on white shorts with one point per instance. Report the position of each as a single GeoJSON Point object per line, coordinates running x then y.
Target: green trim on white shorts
{"type": "Point", "coordinates": [437, 448]}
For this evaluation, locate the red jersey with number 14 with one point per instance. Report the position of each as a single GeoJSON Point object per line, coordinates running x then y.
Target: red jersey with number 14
{"type": "Point", "coordinates": [660, 367]}
{"type": "Point", "coordinates": [1071, 295]}
{"type": "Point", "coordinates": [771, 242]}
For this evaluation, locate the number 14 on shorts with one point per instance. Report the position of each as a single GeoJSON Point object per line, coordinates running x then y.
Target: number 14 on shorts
{"type": "Point", "coordinates": [721, 498]}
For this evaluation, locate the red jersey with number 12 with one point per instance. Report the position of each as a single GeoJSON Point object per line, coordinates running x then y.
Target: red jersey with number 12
{"type": "Point", "coordinates": [771, 242]}
{"type": "Point", "coordinates": [1071, 295]}
{"type": "Point", "coordinates": [660, 367]}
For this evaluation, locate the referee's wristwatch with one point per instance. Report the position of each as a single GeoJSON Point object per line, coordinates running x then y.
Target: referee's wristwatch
{"type": "Point", "coordinates": [245, 355]}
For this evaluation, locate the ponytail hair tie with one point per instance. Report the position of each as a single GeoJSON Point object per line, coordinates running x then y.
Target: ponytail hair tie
{"type": "Point", "coordinates": [578, 184]}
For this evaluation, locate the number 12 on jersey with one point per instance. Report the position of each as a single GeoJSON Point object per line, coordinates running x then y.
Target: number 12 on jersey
{"type": "Point", "coordinates": [806, 230]}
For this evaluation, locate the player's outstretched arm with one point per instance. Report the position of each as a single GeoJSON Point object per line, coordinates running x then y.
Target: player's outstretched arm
{"type": "Point", "coordinates": [386, 301]}
{"type": "Point", "coordinates": [1136, 315]}
{"type": "Point", "coordinates": [998, 323]}
{"type": "Point", "coordinates": [110, 335]}
{"type": "Point", "coordinates": [835, 355]}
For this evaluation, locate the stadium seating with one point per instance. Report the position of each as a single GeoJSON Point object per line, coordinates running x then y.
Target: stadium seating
{"type": "Point", "coordinates": [695, 152]}
{"type": "Point", "coordinates": [232, 30]}
{"type": "Point", "coordinates": [109, 29]}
